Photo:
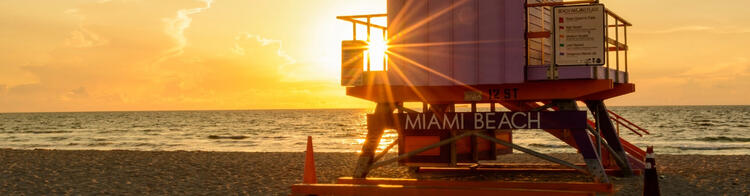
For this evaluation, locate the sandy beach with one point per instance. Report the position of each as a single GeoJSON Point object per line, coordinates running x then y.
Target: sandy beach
{"type": "Point", "coordinates": [87, 172]}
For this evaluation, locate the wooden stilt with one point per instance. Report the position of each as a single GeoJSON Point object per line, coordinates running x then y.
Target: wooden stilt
{"type": "Point", "coordinates": [376, 124]}
{"type": "Point", "coordinates": [585, 145]}
{"type": "Point", "coordinates": [609, 133]}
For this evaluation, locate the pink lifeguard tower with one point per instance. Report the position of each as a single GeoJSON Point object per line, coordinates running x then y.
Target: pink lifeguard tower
{"type": "Point", "coordinates": [535, 58]}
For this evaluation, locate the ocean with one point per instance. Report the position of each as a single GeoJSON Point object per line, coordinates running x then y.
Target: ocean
{"type": "Point", "coordinates": [711, 130]}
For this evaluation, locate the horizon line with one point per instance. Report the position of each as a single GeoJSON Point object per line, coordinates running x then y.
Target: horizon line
{"type": "Point", "coordinates": [271, 109]}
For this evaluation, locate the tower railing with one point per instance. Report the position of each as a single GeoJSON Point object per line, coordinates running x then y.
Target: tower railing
{"type": "Point", "coordinates": [366, 20]}
{"type": "Point", "coordinates": [616, 38]}
{"type": "Point", "coordinates": [615, 44]}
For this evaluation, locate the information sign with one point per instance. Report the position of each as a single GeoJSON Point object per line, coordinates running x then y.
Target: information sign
{"type": "Point", "coordinates": [492, 120]}
{"type": "Point", "coordinates": [580, 33]}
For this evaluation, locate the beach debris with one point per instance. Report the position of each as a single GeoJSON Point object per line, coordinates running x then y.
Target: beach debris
{"type": "Point", "coordinates": [234, 137]}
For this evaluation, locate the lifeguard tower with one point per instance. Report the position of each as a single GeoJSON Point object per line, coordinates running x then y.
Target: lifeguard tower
{"type": "Point", "coordinates": [536, 59]}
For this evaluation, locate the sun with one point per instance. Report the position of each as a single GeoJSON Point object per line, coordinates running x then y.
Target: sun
{"type": "Point", "coordinates": [377, 52]}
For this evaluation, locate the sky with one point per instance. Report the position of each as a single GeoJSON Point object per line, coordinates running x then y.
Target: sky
{"type": "Point", "coordinates": [116, 55]}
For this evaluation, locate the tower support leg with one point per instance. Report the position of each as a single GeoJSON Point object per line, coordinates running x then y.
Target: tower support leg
{"type": "Point", "coordinates": [609, 133]}
{"type": "Point", "coordinates": [585, 146]}
{"type": "Point", "coordinates": [376, 124]}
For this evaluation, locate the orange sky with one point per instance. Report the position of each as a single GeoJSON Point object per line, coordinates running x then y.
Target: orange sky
{"type": "Point", "coordinates": [94, 55]}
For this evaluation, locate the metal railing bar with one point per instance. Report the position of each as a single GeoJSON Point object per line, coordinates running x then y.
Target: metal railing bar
{"type": "Point", "coordinates": [625, 32]}
{"type": "Point", "coordinates": [385, 57]}
{"type": "Point", "coordinates": [369, 28]}
{"type": "Point", "coordinates": [369, 52]}
{"type": "Point", "coordinates": [354, 31]}
{"type": "Point", "coordinates": [597, 132]}
{"type": "Point", "coordinates": [617, 53]}
{"type": "Point", "coordinates": [606, 71]}
{"type": "Point", "coordinates": [605, 144]}
{"type": "Point", "coordinates": [616, 43]}
{"type": "Point", "coordinates": [609, 12]}
{"type": "Point", "coordinates": [619, 25]}
{"type": "Point", "coordinates": [617, 49]}
{"type": "Point", "coordinates": [626, 126]}
{"type": "Point", "coordinates": [626, 120]}
{"type": "Point", "coordinates": [362, 16]}
{"type": "Point", "coordinates": [560, 3]}
{"type": "Point", "coordinates": [363, 23]}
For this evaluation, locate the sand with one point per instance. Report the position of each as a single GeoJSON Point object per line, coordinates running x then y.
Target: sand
{"type": "Point", "coordinates": [87, 172]}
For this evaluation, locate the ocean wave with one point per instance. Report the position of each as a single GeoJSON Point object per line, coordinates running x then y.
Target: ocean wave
{"type": "Point", "coordinates": [275, 137]}
{"type": "Point", "coordinates": [676, 130]}
{"type": "Point", "coordinates": [141, 144]}
{"type": "Point", "coordinates": [57, 138]}
{"type": "Point", "coordinates": [47, 131]}
{"type": "Point", "coordinates": [713, 148]}
{"type": "Point", "coordinates": [723, 139]}
{"type": "Point", "coordinates": [234, 137]}
{"type": "Point", "coordinates": [99, 144]}
{"type": "Point", "coordinates": [345, 134]}
{"type": "Point", "coordinates": [112, 131]}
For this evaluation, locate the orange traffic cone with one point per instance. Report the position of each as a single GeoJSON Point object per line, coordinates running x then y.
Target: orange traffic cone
{"type": "Point", "coordinates": [309, 176]}
{"type": "Point", "coordinates": [650, 177]}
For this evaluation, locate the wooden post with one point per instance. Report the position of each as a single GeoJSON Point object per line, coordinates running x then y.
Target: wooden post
{"type": "Point", "coordinates": [376, 124]}
{"type": "Point", "coordinates": [585, 146]}
{"type": "Point", "coordinates": [454, 157]}
{"type": "Point", "coordinates": [473, 140]}
{"type": "Point", "coordinates": [493, 147]}
{"type": "Point", "coordinates": [609, 133]}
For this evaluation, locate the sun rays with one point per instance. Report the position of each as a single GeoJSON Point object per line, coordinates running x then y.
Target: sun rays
{"type": "Point", "coordinates": [398, 56]}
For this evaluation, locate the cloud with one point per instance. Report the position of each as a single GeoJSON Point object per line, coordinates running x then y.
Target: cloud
{"type": "Point", "coordinates": [104, 60]}
{"type": "Point", "coordinates": [681, 29]}
{"type": "Point", "coordinates": [733, 72]}
{"type": "Point", "coordinates": [175, 28]}
{"type": "Point", "coordinates": [82, 37]}
{"type": "Point", "coordinates": [278, 44]}
{"type": "Point", "coordinates": [78, 93]}
{"type": "Point", "coordinates": [698, 28]}
{"type": "Point", "coordinates": [27, 90]}
{"type": "Point", "coordinates": [737, 67]}
{"type": "Point", "coordinates": [721, 83]}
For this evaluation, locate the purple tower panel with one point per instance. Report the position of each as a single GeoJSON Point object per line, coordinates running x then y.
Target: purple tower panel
{"type": "Point", "coordinates": [515, 44]}
{"type": "Point", "coordinates": [439, 34]}
{"type": "Point", "coordinates": [490, 42]}
{"type": "Point", "coordinates": [414, 31]}
{"type": "Point", "coordinates": [394, 26]}
{"type": "Point", "coordinates": [461, 42]}
{"type": "Point", "coordinates": [465, 31]}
